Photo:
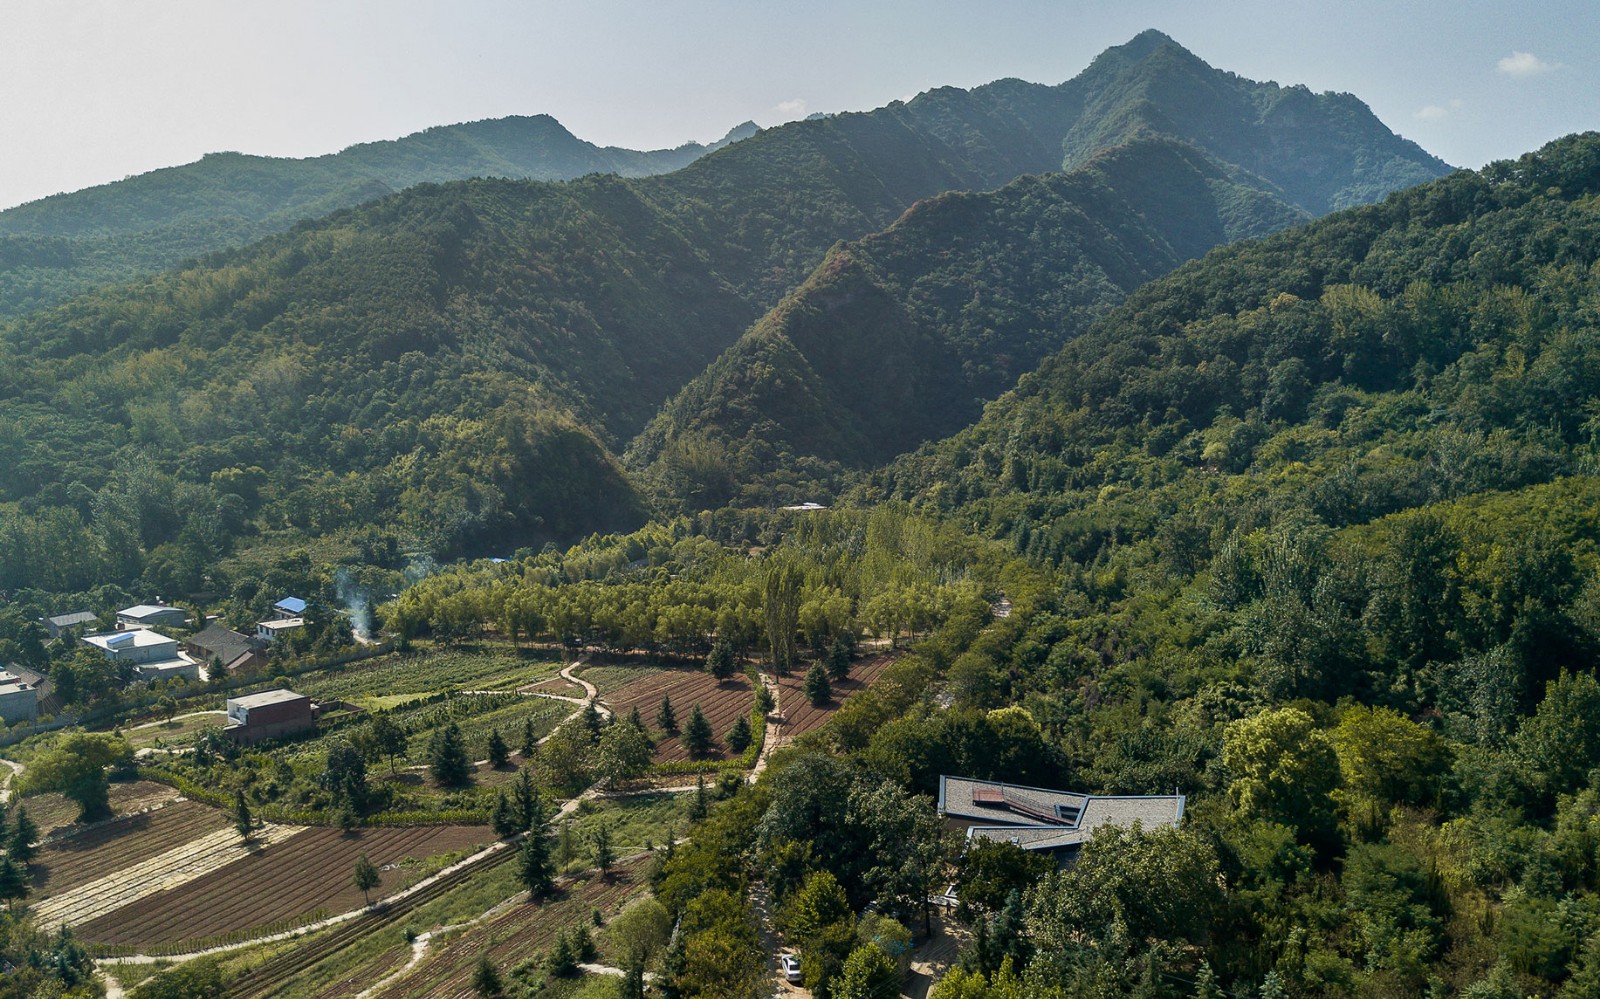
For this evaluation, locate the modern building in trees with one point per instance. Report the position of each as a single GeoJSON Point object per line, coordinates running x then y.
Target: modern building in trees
{"type": "Point", "coordinates": [1037, 819]}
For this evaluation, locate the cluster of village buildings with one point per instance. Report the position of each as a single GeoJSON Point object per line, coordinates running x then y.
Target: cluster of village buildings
{"type": "Point", "coordinates": [138, 641]}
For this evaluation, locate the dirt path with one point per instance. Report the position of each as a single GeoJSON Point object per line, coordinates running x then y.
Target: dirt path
{"type": "Point", "coordinates": [14, 770]}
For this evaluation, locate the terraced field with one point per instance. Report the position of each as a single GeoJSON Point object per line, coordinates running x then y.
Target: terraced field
{"type": "Point", "coordinates": [99, 850]}
{"type": "Point", "coordinates": [515, 933]}
{"type": "Point", "coordinates": [53, 813]}
{"type": "Point", "coordinates": [722, 701]}
{"type": "Point", "coordinates": [305, 875]}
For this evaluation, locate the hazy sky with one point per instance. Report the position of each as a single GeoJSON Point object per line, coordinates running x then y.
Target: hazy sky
{"type": "Point", "coordinates": [95, 90]}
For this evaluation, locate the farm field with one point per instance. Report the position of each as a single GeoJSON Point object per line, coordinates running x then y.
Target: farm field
{"type": "Point", "coordinates": [105, 848]}
{"type": "Point", "coordinates": [308, 875]}
{"type": "Point", "coordinates": [178, 732]}
{"type": "Point", "coordinates": [53, 813]}
{"type": "Point", "coordinates": [722, 701]}
{"type": "Point", "coordinates": [468, 668]}
{"type": "Point", "coordinates": [514, 934]}
{"type": "Point", "coordinates": [801, 716]}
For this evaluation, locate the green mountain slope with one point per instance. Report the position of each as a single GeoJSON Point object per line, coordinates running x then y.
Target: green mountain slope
{"type": "Point", "coordinates": [1432, 346]}
{"type": "Point", "coordinates": [368, 367]}
{"type": "Point", "coordinates": [1320, 151]}
{"type": "Point", "coordinates": [59, 246]}
{"type": "Point", "coordinates": [900, 337]}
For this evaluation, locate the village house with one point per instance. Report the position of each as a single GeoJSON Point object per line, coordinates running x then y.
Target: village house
{"type": "Point", "coordinates": [270, 714]}
{"type": "Point", "coordinates": [67, 622]}
{"type": "Point", "coordinates": [1056, 822]}
{"type": "Point", "coordinates": [289, 607]}
{"type": "Point", "coordinates": [157, 615]}
{"type": "Point", "coordinates": [271, 631]}
{"type": "Point", "coordinates": [236, 651]}
{"type": "Point", "coordinates": [152, 655]}
{"type": "Point", "coordinates": [19, 699]}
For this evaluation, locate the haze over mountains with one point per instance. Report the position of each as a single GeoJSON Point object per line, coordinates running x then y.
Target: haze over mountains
{"type": "Point", "coordinates": [463, 362]}
{"type": "Point", "coordinates": [55, 247]}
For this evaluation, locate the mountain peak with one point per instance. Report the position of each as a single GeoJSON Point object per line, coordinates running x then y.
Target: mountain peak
{"type": "Point", "coordinates": [1142, 46]}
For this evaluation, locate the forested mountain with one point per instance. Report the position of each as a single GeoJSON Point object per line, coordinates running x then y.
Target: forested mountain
{"type": "Point", "coordinates": [419, 360]}
{"type": "Point", "coordinates": [902, 336]}
{"type": "Point", "coordinates": [59, 246]}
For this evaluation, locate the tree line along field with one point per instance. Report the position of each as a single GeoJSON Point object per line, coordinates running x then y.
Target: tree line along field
{"type": "Point", "coordinates": [306, 875]}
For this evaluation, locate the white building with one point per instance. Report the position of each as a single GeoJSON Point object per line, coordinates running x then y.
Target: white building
{"type": "Point", "coordinates": [19, 699]}
{"type": "Point", "coordinates": [152, 655]}
{"type": "Point", "coordinates": [271, 631]}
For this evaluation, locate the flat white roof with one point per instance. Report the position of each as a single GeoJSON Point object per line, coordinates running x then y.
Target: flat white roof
{"type": "Point", "coordinates": [146, 610]}
{"type": "Point", "coordinates": [283, 625]}
{"type": "Point", "coordinates": [131, 639]}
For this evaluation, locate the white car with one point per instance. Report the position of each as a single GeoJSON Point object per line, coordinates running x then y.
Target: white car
{"type": "Point", "coordinates": [790, 966]}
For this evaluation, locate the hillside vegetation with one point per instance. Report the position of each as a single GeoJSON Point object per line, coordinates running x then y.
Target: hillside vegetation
{"type": "Point", "coordinates": [460, 362]}
{"type": "Point", "coordinates": [60, 246]}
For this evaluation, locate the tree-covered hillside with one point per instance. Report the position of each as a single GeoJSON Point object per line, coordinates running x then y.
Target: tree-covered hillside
{"type": "Point", "coordinates": [66, 244]}
{"type": "Point", "coordinates": [902, 336]}
{"type": "Point", "coordinates": [419, 361]}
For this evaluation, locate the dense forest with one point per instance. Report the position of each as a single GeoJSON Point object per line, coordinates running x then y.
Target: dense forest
{"type": "Point", "coordinates": [66, 244]}
{"type": "Point", "coordinates": [899, 338]}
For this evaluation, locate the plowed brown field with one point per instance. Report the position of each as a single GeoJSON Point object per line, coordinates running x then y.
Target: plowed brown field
{"type": "Point", "coordinates": [99, 850]}
{"type": "Point", "coordinates": [722, 703]}
{"type": "Point", "coordinates": [801, 716]}
{"type": "Point", "coordinates": [310, 872]}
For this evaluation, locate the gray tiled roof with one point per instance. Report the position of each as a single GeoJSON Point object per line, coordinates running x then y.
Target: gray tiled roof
{"type": "Point", "coordinates": [221, 642]}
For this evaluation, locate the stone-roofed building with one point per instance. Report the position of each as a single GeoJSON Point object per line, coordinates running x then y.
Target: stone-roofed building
{"type": "Point", "coordinates": [1040, 819]}
{"type": "Point", "coordinates": [218, 642]}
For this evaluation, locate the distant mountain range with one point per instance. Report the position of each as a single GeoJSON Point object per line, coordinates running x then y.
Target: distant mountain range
{"type": "Point", "coordinates": [462, 363]}
{"type": "Point", "coordinates": [58, 246]}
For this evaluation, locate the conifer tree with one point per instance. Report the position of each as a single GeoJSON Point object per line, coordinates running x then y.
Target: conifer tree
{"type": "Point", "coordinates": [528, 808]}
{"type": "Point", "coordinates": [604, 853]}
{"type": "Point", "coordinates": [666, 717]}
{"type": "Point", "coordinates": [242, 819]}
{"type": "Point", "coordinates": [22, 836]}
{"type": "Point", "coordinates": [534, 868]}
{"type": "Point", "coordinates": [447, 757]}
{"type": "Point", "coordinates": [530, 742]}
{"type": "Point", "coordinates": [504, 818]}
{"type": "Point", "coordinates": [739, 736]}
{"type": "Point", "coordinates": [818, 690]}
{"type": "Point", "coordinates": [499, 753]}
{"type": "Point", "coordinates": [720, 662]}
{"type": "Point", "coordinates": [697, 735]}
{"type": "Point", "coordinates": [839, 659]}
{"type": "Point", "coordinates": [486, 980]}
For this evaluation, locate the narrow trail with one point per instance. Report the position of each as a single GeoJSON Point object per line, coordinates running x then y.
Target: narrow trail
{"type": "Point", "coordinates": [14, 770]}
